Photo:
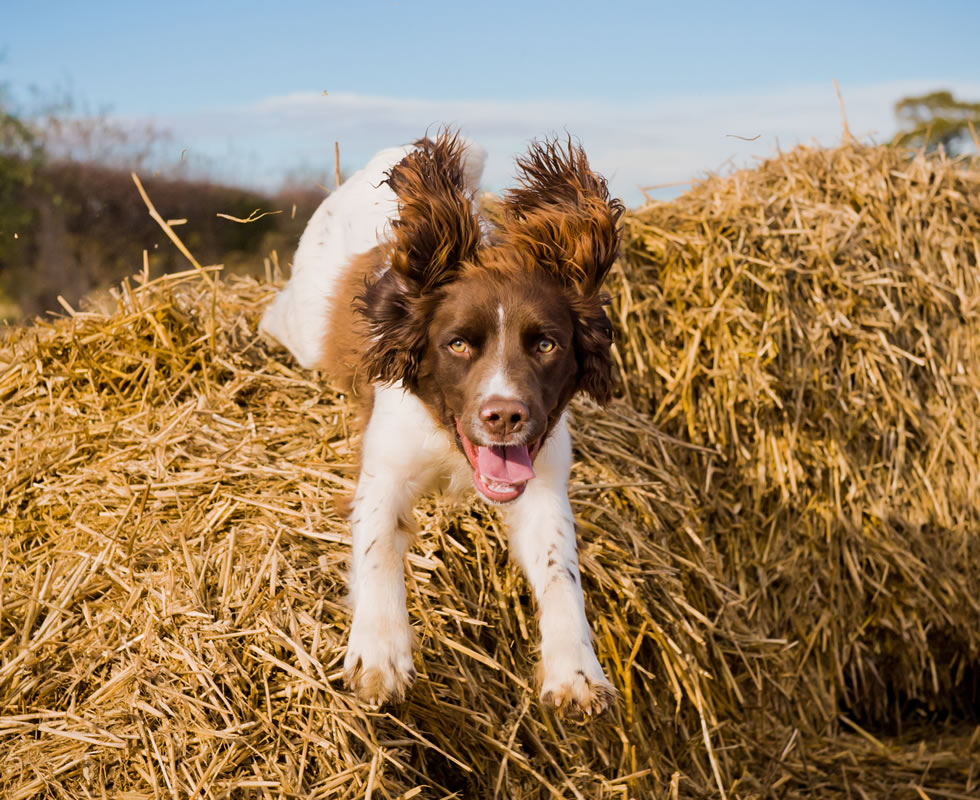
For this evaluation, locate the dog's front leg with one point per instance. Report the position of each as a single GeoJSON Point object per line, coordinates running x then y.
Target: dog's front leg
{"type": "Point", "coordinates": [378, 665]}
{"type": "Point", "coordinates": [542, 533]}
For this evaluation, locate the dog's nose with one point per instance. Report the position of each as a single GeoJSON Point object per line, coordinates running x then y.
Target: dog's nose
{"type": "Point", "coordinates": [502, 417]}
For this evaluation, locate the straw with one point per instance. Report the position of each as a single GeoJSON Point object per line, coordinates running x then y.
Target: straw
{"type": "Point", "coordinates": [777, 527]}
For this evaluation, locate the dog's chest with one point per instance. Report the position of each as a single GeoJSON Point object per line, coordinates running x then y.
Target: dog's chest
{"type": "Point", "coordinates": [404, 437]}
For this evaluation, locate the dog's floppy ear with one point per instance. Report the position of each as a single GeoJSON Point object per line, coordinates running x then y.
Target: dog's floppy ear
{"type": "Point", "coordinates": [437, 226]}
{"type": "Point", "coordinates": [437, 229]}
{"type": "Point", "coordinates": [563, 216]}
{"type": "Point", "coordinates": [593, 347]}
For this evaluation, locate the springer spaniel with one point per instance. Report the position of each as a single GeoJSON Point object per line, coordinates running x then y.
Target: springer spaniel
{"type": "Point", "coordinates": [464, 341]}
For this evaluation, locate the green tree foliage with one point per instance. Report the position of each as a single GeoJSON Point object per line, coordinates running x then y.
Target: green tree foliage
{"type": "Point", "coordinates": [936, 119]}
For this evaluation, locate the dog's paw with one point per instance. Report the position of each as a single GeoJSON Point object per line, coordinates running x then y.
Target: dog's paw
{"type": "Point", "coordinates": [572, 679]}
{"type": "Point", "coordinates": [378, 666]}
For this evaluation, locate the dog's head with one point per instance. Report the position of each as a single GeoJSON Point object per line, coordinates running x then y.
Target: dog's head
{"type": "Point", "coordinates": [495, 329]}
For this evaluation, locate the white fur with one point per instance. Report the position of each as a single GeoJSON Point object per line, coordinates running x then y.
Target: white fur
{"type": "Point", "coordinates": [498, 384]}
{"type": "Point", "coordinates": [349, 222]}
{"type": "Point", "coordinates": [403, 453]}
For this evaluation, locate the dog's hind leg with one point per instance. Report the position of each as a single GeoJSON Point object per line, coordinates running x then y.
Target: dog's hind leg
{"type": "Point", "coordinates": [542, 534]}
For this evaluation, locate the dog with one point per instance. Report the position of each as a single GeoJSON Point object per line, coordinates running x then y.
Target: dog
{"type": "Point", "coordinates": [463, 340]}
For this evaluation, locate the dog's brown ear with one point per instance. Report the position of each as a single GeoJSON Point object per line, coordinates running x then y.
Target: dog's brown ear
{"type": "Point", "coordinates": [437, 226]}
{"type": "Point", "coordinates": [437, 229]}
{"type": "Point", "coordinates": [563, 216]}
{"type": "Point", "coordinates": [397, 317]}
{"type": "Point", "coordinates": [593, 347]}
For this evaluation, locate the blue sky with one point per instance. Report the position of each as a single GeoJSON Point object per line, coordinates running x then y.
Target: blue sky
{"type": "Point", "coordinates": [656, 92]}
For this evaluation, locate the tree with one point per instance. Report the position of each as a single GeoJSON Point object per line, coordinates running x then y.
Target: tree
{"type": "Point", "coordinates": [936, 119]}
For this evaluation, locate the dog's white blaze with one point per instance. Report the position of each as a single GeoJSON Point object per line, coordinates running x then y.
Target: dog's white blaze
{"type": "Point", "coordinates": [499, 384]}
{"type": "Point", "coordinates": [500, 337]}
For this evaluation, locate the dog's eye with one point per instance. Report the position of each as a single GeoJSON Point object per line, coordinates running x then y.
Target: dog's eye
{"type": "Point", "coordinates": [546, 345]}
{"type": "Point", "coordinates": [457, 345]}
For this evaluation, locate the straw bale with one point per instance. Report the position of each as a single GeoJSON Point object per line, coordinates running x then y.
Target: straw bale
{"type": "Point", "coordinates": [172, 576]}
{"type": "Point", "coordinates": [774, 519]}
{"type": "Point", "coordinates": [816, 322]}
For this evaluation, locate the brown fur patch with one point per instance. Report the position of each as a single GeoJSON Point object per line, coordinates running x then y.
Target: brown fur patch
{"type": "Point", "coordinates": [347, 334]}
{"type": "Point", "coordinates": [562, 215]}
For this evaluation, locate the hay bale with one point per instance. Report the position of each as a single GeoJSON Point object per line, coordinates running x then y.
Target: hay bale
{"type": "Point", "coordinates": [173, 583]}
{"type": "Point", "coordinates": [817, 322]}
{"type": "Point", "coordinates": [172, 567]}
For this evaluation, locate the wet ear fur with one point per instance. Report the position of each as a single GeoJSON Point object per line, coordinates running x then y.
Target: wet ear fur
{"type": "Point", "coordinates": [561, 214]}
{"type": "Point", "coordinates": [437, 229]}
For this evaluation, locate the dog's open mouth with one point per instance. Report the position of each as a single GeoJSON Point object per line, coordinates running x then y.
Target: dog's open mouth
{"type": "Point", "coordinates": [500, 472]}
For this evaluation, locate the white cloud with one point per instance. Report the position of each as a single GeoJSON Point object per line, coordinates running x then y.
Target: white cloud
{"type": "Point", "coordinates": [638, 142]}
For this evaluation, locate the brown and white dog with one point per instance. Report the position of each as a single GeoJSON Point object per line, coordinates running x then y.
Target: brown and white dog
{"type": "Point", "coordinates": [465, 340]}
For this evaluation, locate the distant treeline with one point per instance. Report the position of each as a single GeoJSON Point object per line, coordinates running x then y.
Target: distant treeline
{"type": "Point", "coordinates": [72, 220]}
{"type": "Point", "coordinates": [76, 227]}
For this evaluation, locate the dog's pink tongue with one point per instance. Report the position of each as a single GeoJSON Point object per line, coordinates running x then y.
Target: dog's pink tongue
{"type": "Point", "coordinates": [505, 464]}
